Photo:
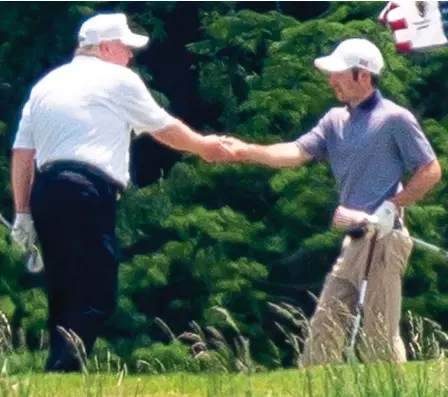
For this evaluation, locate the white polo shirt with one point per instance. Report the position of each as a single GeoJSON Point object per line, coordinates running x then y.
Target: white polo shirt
{"type": "Point", "coordinates": [85, 110]}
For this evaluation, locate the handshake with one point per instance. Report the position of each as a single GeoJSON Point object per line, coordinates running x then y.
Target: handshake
{"type": "Point", "coordinates": [220, 149]}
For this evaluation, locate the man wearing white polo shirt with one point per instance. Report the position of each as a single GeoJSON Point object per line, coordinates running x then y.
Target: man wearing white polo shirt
{"type": "Point", "coordinates": [76, 127]}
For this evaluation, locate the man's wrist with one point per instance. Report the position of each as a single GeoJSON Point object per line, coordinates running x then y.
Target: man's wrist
{"type": "Point", "coordinates": [23, 210]}
{"type": "Point", "coordinates": [250, 153]}
{"type": "Point", "coordinates": [198, 145]}
{"type": "Point", "coordinates": [398, 206]}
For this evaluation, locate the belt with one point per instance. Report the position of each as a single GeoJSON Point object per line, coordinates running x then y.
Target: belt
{"type": "Point", "coordinates": [84, 168]}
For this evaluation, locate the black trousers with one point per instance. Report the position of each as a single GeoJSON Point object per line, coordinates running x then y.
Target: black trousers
{"type": "Point", "coordinates": [74, 211]}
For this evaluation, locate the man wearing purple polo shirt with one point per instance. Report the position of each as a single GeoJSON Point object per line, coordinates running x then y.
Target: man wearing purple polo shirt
{"type": "Point", "coordinates": [370, 143]}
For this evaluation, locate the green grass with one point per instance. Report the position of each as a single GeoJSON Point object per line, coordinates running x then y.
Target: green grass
{"type": "Point", "coordinates": [220, 368]}
{"type": "Point", "coordinates": [419, 379]}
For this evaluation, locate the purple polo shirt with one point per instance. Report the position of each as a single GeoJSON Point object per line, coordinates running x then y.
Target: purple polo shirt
{"type": "Point", "coordinates": [369, 149]}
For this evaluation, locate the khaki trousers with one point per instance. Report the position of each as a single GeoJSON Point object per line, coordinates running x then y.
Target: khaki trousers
{"type": "Point", "coordinates": [334, 315]}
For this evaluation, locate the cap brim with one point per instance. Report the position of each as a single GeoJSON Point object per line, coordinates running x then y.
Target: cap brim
{"type": "Point", "coordinates": [330, 64]}
{"type": "Point", "coordinates": [135, 40]}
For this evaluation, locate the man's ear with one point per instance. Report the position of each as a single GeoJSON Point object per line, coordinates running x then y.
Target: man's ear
{"type": "Point", "coordinates": [364, 76]}
{"type": "Point", "coordinates": [103, 48]}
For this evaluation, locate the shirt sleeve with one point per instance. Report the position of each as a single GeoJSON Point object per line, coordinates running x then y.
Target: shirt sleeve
{"type": "Point", "coordinates": [24, 136]}
{"type": "Point", "coordinates": [314, 142]}
{"type": "Point", "coordinates": [414, 147]}
{"type": "Point", "coordinates": [140, 109]}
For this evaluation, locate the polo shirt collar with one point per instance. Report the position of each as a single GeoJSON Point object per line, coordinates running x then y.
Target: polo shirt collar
{"type": "Point", "coordinates": [86, 58]}
{"type": "Point", "coordinates": [367, 104]}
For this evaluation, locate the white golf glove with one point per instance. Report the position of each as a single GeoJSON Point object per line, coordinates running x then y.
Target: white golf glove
{"type": "Point", "coordinates": [385, 215]}
{"type": "Point", "coordinates": [23, 232]}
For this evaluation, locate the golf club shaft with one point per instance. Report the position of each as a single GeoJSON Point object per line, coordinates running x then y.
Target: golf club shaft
{"type": "Point", "coordinates": [5, 222]}
{"type": "Point", "coordinates": [418, 242]}
{"type": "Point", "coordinates": [359, 307]}
{"type": "Point", "coordinates": [429, 247]}
{"type": "Point", "coordinates": [362, 293]}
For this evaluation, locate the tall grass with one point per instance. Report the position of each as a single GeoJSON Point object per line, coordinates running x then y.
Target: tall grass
{"type": "Point", "coordinates": [420, 379]}
{"type": "Point", "coordinates": [202, 362]}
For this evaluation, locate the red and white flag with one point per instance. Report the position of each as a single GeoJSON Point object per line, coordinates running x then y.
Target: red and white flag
{"type": "Point", "coordinates": [416, 25]}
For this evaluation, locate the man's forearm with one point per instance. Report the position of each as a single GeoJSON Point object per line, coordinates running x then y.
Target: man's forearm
{"type": "Point", "coordinates": [419, 185]}
{"type": "Point", "coordinates": [181, 137]}
{"type": "Point", "coordinates": [22, 175]}
{"type": "Point", "coordinates": [277, 155]}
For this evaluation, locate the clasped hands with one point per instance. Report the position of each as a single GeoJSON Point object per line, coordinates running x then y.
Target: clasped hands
{"type": "Point", "coordinates": [382, 220]}
{"type": "Point", "coordinates": [219, 149]}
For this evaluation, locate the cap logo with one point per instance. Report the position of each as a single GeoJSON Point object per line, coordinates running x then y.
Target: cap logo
{"type": "Point", "coordinates": [364, 62]}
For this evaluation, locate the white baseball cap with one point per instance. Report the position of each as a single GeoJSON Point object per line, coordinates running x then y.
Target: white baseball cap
{"type": "Point", "coordinates": [352, 53]}
{"type": "Point", "coordinates": [107, 27]}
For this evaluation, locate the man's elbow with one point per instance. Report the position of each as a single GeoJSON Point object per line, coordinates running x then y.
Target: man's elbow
{"type": "Point", "coordinates": [169, 136]}
{"type": "Point", "coordinates": [24, 157]}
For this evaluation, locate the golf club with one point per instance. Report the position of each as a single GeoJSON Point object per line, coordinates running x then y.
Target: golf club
{"type": "Point", "coordinates": [359, 231]}
{"type": "Point", "coordinates": [34, 262]}
{"type": "Point", "coordinates": [362, 297]}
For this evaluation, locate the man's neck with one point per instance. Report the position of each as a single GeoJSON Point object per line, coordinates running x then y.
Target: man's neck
{"type": "Point", "coordinates": [355, 102]}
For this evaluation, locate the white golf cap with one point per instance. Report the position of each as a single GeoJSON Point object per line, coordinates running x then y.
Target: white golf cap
{"type": "Point", "coordinates": [107, 27]}
{"type": "Point", "coordinates": [352, 53]}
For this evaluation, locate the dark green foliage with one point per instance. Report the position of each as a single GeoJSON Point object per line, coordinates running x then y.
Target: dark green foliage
{"type": "Point", "coordinates": [204, 241]}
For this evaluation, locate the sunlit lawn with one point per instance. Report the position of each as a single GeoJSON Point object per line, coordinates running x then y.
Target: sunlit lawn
{"type": "Point", "coordinates": [414, 379]}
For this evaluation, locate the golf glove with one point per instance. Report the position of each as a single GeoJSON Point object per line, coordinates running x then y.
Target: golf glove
{"type": "Point", "coordinates": [23, 232]}
{"type": "Point", "coordinates": [385, 217]}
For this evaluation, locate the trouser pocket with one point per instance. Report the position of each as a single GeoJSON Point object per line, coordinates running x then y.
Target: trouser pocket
{"type": "Point", "coordinates": [397, 250]}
